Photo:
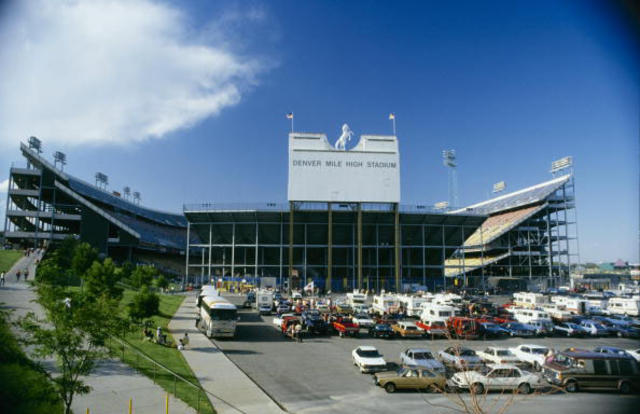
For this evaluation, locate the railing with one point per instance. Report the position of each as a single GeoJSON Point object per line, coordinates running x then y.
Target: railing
{"type": "Point", "coordinates": [192, 394]}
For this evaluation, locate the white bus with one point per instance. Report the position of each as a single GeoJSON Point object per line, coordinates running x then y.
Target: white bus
{"type": "Point", "coordinates": [218, 316]}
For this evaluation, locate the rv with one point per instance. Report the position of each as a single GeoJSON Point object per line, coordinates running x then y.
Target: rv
{"type": "Point", "coordinates": [529, 299]}
{"type": "Point", "coordinates": [450, 299]}
{"type": "Point", "coordinates": [558, 313]}
{"type": "Point", "coordinates": [412, 304]}
{"type": "Point", "coordinates": [384, 304]}
{"type": "Point", "coordinates": [433, 312]}
{"type": "Point", "coordinates": [264, 302]}
{"type": "Point", "coordinates": [577, 306]}
{"type": "Point", "coordinates": [356, 298]}
{"type": "Point", "coordinates": [624, 306]}
{"type": "Point", "coordinates": [537, 318]}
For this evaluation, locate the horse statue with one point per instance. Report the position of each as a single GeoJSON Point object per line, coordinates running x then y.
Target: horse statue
{"type": "Point", "coordinates": [347, 133]}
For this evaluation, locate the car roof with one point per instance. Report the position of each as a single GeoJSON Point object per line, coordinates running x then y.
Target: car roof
{"type": "Point", "coordinates": [533, 346]}
{"type": "Point", "coordinates": [501, 366]}
{"type": "Point", "coordinates": [417, 350]}
{"type": "Point", "coordinates": [593, 355]}
{"type": "Point", "coordinates": [367, 348]}
{"type": "Point", "coordinates": [498, 348]}
{"type": "Point", "coordinates": [610, 348]}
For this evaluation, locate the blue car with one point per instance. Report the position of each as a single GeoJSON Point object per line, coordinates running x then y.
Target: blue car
{"type": "Point", "coordinates": [381, 330]}
{"type": "Point", "coordinates": [612, 350]}
{"type": "Point", "coordinates": [492, 330]}
{"type": "Point", "coordinates": [519, 329]}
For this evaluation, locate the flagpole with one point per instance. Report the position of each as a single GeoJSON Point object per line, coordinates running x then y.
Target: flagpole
{"type": "Point", "coordinates": [292, 124]}
{"type": "Point", "coordinates": [394, 125]}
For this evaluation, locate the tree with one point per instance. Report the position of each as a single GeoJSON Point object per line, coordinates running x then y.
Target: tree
{"type": "Point", "coordinates": [145, 304]}
{"type": "Point", "coordinates": [74, 330]}
{"type": "Point", "coordinates": [101, 280]}
{"type": "Point", "coordinates": [83, 257]}
{"type": "Point", "coordinates": [142, 276]}
{"type": "Point", "coordinates": [162, 282]}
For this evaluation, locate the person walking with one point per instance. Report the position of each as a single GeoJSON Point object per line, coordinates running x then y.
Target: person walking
{"type": "Point", "coordinates": [26, 274]}
{"type": "Point", "coordinates": [18, 275]}
{"type": "Point", "coordinates": [2, 279]}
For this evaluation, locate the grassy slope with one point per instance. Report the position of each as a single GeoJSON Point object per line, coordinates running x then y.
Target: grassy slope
{"type": "Point", "coordinates": [168, 356]}
{"type": "Point", "coordinates": [8, 258]}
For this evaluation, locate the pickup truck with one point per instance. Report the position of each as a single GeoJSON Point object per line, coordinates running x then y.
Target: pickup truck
{"type": "Point", "coordinates": [462, 327]}
{"type": "Point", "coordinates": [407, 329]}
{"type": "Point", "coordinates": [433, 328]}
{"type": "Point", "coordinates": [345, 326]}
{"type": "Point", "coordinates": [314, 322]}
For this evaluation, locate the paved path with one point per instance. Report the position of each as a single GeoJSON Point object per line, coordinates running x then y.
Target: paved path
{"type": "Point", "coordinates": [216, 373]}
{"type": "Point", "coordinates": [113, 382]}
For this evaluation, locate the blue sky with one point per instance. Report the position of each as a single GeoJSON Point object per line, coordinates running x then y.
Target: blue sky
{"type": "Point", "coordinates": [510, 85]}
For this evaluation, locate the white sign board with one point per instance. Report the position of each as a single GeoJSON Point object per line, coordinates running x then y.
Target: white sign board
{"type": "Point", "coordinates": [370, 172]}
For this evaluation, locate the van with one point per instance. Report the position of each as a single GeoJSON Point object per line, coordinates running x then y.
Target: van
{"type": "Point", "coordinates": [623, 306]}
{"type": "Point", "coordinates": [576, 370]}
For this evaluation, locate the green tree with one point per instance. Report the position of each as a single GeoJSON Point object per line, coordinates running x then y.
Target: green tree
{"type": "Point", "coordinates": [162, 282]}
{"type": "Point", "coordinates": [144, 304]}
{"type": "Point", "coordinates": [142, 276]}
{"type": "Point", "coordinates": [101, 279]}
{"type": "Point", "coordinates": [83, 257]}
{"type": "Point", "coordinates": [74, 330]}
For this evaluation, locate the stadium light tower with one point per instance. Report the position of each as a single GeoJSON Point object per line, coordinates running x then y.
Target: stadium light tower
{"type": "Point", "coordinates": [499, 187]}
{"type": "Point", "coordinates": [561, 164]}
{"type": "Point", "coordinates": [35, 144]}
{"type": "Point", "coordinates": [136, 197]}
{"type": "Point", "coordinates": [442, 205]}
{"type": "Point", "coordinates": [127, 192]}
{"type": "Point", "coordinates": [449, 161]}
{"type": "Point", "coordinates": [59, 158]}
{"type": "Point", "coordinates": [102, 180]}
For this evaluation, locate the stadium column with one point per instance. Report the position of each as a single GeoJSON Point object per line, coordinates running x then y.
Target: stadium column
{"type": "Point", "coordinates": [327, 286]}
{"type": "Point", "coordinates": [550, 246]}
{"type": "Point", "coordinates": [186, 270]}
{"type": "Point", "coordinates": [202, 269]}
{"type": "Point", "coordinates": [256, 252]}
{"type": "Point", "coordinates": [396, 228]}
{"type": "Point", "coordinates": [233, 250]}
{"type": "Point", "coordinates": [210, 247]}
{"type": "Point", "coordinates": [290, 244]}
{"type": "Point", "coordinates": [359, 237]}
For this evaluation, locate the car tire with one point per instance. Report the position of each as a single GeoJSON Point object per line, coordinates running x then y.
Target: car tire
{"type": "Point", "coordinates": [477, 388]}
{"type": "Point", "coordinates": [624, 387]}
{"type": "Point", "coordinates": [571, 386]}
{"type": "Point", "coordinates": [390, 387]}
{"type": "Point", "coordinates": [524, 388]}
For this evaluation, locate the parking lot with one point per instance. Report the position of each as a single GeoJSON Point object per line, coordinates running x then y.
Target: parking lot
{"type": "Point", "coordinates": [317, 375]}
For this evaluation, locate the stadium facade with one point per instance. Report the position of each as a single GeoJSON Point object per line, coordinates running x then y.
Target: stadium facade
{"type": "Point", "coordinates": [46, 205]}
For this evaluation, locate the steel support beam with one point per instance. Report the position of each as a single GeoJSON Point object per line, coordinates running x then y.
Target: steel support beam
{"type": "Point", "coordinates": [396, 247]}
{"type": "Point", "coordinates": [359, 237]}
{"type": "Point", "coordinates": [329, 248]}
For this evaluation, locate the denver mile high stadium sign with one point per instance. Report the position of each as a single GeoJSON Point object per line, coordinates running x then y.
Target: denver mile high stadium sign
{"type": "Point", "coordinates": [367, 173]}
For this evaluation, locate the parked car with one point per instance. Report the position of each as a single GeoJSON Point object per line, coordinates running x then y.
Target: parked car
{"type": "Point", "coordinates": [422, 358]}
{"type": "Point", "coordinates": [533, 355]}
{"type": "Point", "coordinates": [407, 329]}
{"type": "Point", "coordinates": [462, 327]}
{"type": "Point", "coordinates": [497, 355]}
{"type": "Point", "coordinates": [612, 350]}
{"type": "Point", "coordinates": [542, 328]}
{"type": "Point", "coordinates": [360, 308]}
{"type": "Point", "coordinates": [492, 330]}
{"type": "Point", "coordinates": [381, 330]}
{"type": "Point", "coordinates": [496, 377]}
{"type": "Point", "coordinates": [583, 370]}
{"type": "Point", "coordinates": [594, 328]}
{"type": "Point", "coordinates": [433, 328]}
{"type": "Point", "coordinates": [635, 353]}
{"type": "Point", "coordinates": [410, 378]}
{"type": "Point", "coordinates": [368, 359]}
{"type": "Point", "coordinates": [283, 307]}
{"type": "Point", "coordinates": [569, 329]}
{"type": "Point", "coordinates": [344, 308]}
{"type": "Point", "coordinates": [363, 321]}
{"type": "Point", "coordinates": [460, 358]}
{"type": "Point", "coordinates": [314, 322]}
{"type": "Point", "coordinates": [344, 326]}
{"type": "Point", "coordinates": [519, 329]}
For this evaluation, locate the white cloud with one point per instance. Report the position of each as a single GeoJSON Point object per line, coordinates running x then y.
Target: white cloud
{"type": "Point", "coordinates": [4, 186]}
{"type": "Point", "coordinates": [115, 72]}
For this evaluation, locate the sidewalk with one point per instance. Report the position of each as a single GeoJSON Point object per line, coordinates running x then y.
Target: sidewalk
{"type": "Point", "coordinates": [216, 373]}
{"type": "Point", "coordinates": [112, 382]}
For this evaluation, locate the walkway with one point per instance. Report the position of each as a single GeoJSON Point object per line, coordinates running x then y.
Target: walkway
{"type": "Point", "coordinates": [216, 373]}
{"type": "Point", "coordinates": [112, 382]}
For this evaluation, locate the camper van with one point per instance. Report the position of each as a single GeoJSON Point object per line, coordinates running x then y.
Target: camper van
{"type": "Point", "coordinates": [264, 302]}
{"type": "Point", "coordinates": [537, 318]}
{"type": "Point", "coordinates": [558, 313]}
{"type": "Point", "coordinates": [356, 298]}
{"type": "Point", "coordinates": [623, 306]}
{"type": "Point", "coordinates": [577, 306]}
{"type": "Point", "coordinates": [434, 312]}
{"type": "Point", "coordinates": [450, 299]}
{"type": "Point", "coordinates": [384, 304]}
{"type": "Point", "coordinates": [529, 299]}
{"type": "Point", "coordinates": [412, 304]}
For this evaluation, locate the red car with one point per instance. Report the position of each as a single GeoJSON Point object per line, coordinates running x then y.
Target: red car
{"type": "Point", "coordinates": [345, 326]}
{"type": "Point", "coordinates": [463, 327]}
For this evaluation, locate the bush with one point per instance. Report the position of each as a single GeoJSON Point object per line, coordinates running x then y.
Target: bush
{"type": "Point", "coordinates": [142, 276]}
{"type": "Point", "coordinates": [145, 304]}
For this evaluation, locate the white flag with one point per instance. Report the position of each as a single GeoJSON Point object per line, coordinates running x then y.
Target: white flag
{"type": "Point", "coordinates": [309, 286]}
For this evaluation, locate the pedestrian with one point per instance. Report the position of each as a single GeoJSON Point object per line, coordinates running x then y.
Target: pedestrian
{"type": "Point", "coordinates": [2, 279]}
{"type": "Point", "coordinates": [298, 332]}
{"type": "Point", "coordinates": [159, 335]}
{"type": "Point", "coordinates": [18, 275]}
{"type": "Point", "coordinates": [26, 274]}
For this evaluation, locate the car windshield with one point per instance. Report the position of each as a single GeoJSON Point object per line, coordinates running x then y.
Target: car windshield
{"type": "Point", "coordinates": [410, 328]}
{"type": "Point", "coordinates": [563, 360]}
{"type": "Point", "coordinates": [368, 354]}
{"type": "Point", "coordinates": [467, 352]}
{"type": "Point", "coordinates": [503, 352]}
{"type": "Point", "coordinates": [422, 355]}
{"type": "Point", "coordinates": [572, 325]}
{"type": "Point", "coordinates": [362, 316]}
{"type": "Point", "coordinates": [437, 324]}
{"type": "Point", "coordinates": [539, 351]}
{"type": "Point", "coordinates": [489, 325]}
{"type": "Point", "coordinates": [223, 314]}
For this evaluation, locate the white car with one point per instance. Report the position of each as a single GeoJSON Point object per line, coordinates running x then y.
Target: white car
{"type": "Point", "coordinates": [634, 353]}
{"type": "Point", "coordinates": [360, 308]}
{"type": "Point", "coordinates": [277, 321]}
{"type": "Point", "coordinates": [368, 359]}
{"type": "Point", "coordinates": [363, 321]}
{"type": "Point", "coordinates": [423, 358]}
{"type": "Point", "coordinates": [460, 358]}
{"type": "Point", "coordinates": [497, 355]}
{"type": "Point", "coordinates": [496, 377]}
{"type": "Point", "coordinates": [531, 354]}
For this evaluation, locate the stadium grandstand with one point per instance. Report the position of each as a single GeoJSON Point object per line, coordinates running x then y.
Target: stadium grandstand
{"type": "Point", "coordinates": [46, 205]}
{"type": "Point", "coordinates": [529, 234]}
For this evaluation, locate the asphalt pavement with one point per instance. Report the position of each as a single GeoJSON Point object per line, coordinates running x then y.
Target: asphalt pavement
{"type": "Point", "coordinates": [317, 375]}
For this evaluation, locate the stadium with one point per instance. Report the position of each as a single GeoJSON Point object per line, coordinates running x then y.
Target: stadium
{"type": "Point", "coordinates": [343, 227]}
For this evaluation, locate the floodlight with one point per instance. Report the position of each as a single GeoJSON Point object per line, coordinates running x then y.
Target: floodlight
{"type": "Point", "coordinates": [449, 158]}
{"type": "Point", "coordinates": [59, 158]}
{"type": "Point", "coordinates": [127, 191]}
{"type": "Point", "coordinates": [561, 164]}
{"type": "Point", "coordinates": [497, 187]}
{"type": "Point", "coordinates": [136, 196]}
{"type": "Point", "coordinates": [441, 205]}
{"type": "Point", "coordinates": [102, 180]}
{"type": "Point", "coordinates": [35, 144]}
